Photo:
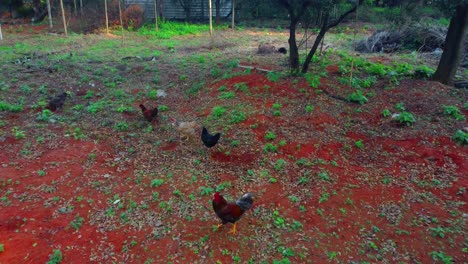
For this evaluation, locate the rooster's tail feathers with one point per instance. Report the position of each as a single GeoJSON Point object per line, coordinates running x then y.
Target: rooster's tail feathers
{"type": "Point", "coordinates": [246, 201]}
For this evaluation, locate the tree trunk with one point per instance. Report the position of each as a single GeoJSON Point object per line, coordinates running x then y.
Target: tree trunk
{"type": "Point", "coordinates": [36, 7]}
{"type": "Point", "coordinates": [156, 15]}
{"type": "Point", "coordinates": [107, 17]}
{"type": "Point", "coordinates": [49, 14]}
{"type": "Point", "coordinates": [325, 27]}
{"type": "Point", "coordinates": [294, 52]}
{"type": "Point", "coordinates": [453, 46]}
{"type": "Point", "coordinates": [233, 13]}
{"type": "Point", "coordinates": [63, 17]}
{"type": "Point", "coordinates": [210, 10]}
{"type": "Point", "coordinates": [323, 30]}
{"type": "Point", "coordinates": [13, 6]}
{"type": "Point", "coordinates": [121, 22]}
{"type": "Point", "coordinates": [218, 12]}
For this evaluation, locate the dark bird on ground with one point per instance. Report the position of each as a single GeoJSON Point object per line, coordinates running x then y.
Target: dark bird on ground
{"type": "Point", "coordinates": [209, 140]}
{"type": "Point", "coordinates": [283, 50]}
{"type": "Point", "coordinates": [57, 102]}
{"type": "Point", "coordinates": [230, 212]}
{"type": "Point", "coordinates": [149, 114]}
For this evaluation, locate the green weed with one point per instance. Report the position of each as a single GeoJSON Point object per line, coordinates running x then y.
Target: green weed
{"type": "Point", "coordinates": [4, 106]}
{"type": "Point", "coordinates": [273, 76]}
{"type": "Point", "coordinates": [227, 95]}
{"type": "Point", "coordinates": [424, 72]}
{"type": "Point", "coordinates": [324, 197]}
{"type": "Point", "coordinates": [441, 256]}
{"type": "Point", "coordinates": [293, 198]}
{"type": "Point", "coordinates": [453, 111]}
{"type": "Point", "coordinates": [359, 144]}
{"type": "Point", "coordinates": [377, 69]}
{"type": "Point", "coordinates": [460, 137]}
{"type": "Point", "coordinates": [386, 113]}
{"type": "Point", "coordinates": [218, 111]}
{"type": "Point", "coordinates": [324, 176]}
{"type": "Point", "coordinates": [279, 165]}
{"type": "Point", "coordinates": [278, 221]}
{"type": "Point", "coordinates": [406, 118]}
{"type": "Point", "coordinates": [438, 231]}
{"type": "Point", "coordinates": [195, 88]}
{"type": "Point", "coordinates": [237, 116]}
{"type": "Point", "coordinates": [121, 126]}
{"type": "Point", "coordinates": [312, 79]}
{"type": "Point", "coordinates": [270, 148]}
{"type": "Point", "coordinates": [206, 190]}
{"type": "Point", "coordinates": [77, 222]}
{"type": "Point", "coordinates": [156, 182]}
{"type": "Point", "coordinates": [270, 135]}
{"type": "Point", "coordinates": [45, 115]}
{"type": "Point", "coordinates": [399, 107]}
{"type": "Point", "coordinates": [55, 257]}
{"type": "Point", "coordinates": [163, 108]}
{"type": "Point", "coordinates": [358, 97]}
{"type": "Point", "coordinates": [18, 133]}
{"type": "Point", "coordinates": [241, 87]}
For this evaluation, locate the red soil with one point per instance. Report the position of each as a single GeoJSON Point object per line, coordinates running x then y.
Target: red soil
{"type": "Point", "coordinates": [390, 192]}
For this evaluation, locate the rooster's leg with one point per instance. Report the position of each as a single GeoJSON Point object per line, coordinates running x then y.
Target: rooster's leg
{"type": "Point", "coordinates": [218, 226]}
{"type": "Point", "coordinates": [233, 230]}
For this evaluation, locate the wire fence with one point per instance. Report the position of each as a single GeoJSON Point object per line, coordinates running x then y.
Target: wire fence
{"type": "Point", "coordinates": [89, 15]}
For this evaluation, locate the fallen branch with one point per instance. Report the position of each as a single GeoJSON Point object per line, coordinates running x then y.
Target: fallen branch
{"type": "Point", "coordinates": [335, 96]}
{"type": "Point", "coordinates": [49, 70]}
{"type": "Point", "coordinates": [461, 84]}
{"type": "Point", "coordinates": [253, 68]}
{"type": "Point", "coordinates": [140, 58]}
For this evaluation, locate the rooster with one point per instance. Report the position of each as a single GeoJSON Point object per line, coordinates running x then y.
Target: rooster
{"type": "Point", "coordinates": [229, 211]}
{"type": "Point", "coordinates": [208, 139]}
{"type": "Point", "coordinates": [149, 115]}
{"type": "Point", "coordinates": [56, 102]}
{"type": "Point", "coordinates": [187, 130]}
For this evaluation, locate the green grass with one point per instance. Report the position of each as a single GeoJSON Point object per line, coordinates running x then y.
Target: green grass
{"type": "Point", "coordinates": [169, 29]}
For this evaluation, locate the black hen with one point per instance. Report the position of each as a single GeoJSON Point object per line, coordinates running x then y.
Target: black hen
{"type": "Point", "coordinates": [209, 140]}
{"type": "Point", "coordinates": [283, 50]}
{"type": "Point", "coordinates": [57, 102]}
{"type": "Point", "coordinates": [149, 114]}
{"type": "Point", "coordinates": [230, 212]}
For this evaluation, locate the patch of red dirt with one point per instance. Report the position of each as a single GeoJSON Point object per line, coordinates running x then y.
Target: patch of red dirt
{"type": "Point", "coordinates": [239, 159]}
{"type": "Point", "coordinates": [333, 69]}
{"type": "Point", "coordinates": [170, 146]}
{"type": "Point", "coordinates": [299, 150]}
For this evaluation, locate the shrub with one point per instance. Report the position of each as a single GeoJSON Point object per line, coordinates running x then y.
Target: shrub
{"type": "Point", "coordinates": [133, 17]}
{"type": "Point", "coordinates": [423, 72]}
